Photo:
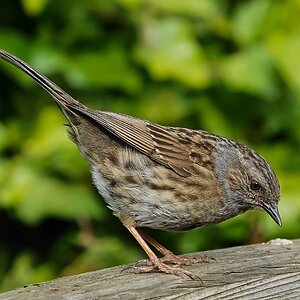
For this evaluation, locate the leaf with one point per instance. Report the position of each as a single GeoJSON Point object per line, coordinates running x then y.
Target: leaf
{"type": "Point", "coordinates": [285, 48]}
{"type": "Point", "coordinates": [35, 197]}
{"type": "Point", "coordinates": [109, 68]}
{"type": "Point", "coordinates": [169, 51]}
{"type": "Point", "coordinates": [248, 20]}
{"type": "Point", "coordinates": [34, 7]}
{"type": "Point", "coordinates": [250, 71]}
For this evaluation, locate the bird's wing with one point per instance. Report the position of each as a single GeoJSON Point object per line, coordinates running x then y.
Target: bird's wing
{"type": "Point", "coordinates": [153, 140]}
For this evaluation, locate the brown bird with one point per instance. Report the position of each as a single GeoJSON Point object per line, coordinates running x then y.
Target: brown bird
{"type": "Point", "coordinates": [166, 178]}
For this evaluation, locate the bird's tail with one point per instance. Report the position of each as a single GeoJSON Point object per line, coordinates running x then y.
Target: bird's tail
{"type": "Point", "coordinates": [62, 98]}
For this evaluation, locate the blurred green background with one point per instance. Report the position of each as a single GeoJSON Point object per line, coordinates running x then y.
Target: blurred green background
{"type": "Point", "coordinates": [230, 67]}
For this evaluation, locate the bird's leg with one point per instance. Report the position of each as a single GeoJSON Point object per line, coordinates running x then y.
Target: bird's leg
{"type": "Point", "coordinates": [169, 256]}
{"type": "Point", "coordinates": [157, 263]}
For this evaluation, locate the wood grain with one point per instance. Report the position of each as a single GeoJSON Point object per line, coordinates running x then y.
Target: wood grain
{"type": "Point", "coordinates": [263, 271]}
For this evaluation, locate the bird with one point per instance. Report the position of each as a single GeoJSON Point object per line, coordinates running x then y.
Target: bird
{"type": "Point", "coordinates": [163, 177]}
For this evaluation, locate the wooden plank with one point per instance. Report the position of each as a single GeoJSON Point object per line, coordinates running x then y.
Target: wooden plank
{"type": "Point", "coordinates": [263, 271]}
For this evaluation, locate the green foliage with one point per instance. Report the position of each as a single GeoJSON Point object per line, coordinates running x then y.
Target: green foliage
{"type": "Point", "coordinates": [227, 67]}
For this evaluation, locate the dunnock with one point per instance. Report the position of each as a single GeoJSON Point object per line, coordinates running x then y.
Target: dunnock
{"type": "Point", "coordinates": [162, 177]}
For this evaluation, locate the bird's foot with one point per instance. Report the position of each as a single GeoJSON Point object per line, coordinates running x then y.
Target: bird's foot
{"type": "Point", "coordinates": [152, 266]}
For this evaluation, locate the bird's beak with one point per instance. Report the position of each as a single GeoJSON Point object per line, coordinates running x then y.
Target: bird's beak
{"type": "Point", "coordinates": [273, 212]}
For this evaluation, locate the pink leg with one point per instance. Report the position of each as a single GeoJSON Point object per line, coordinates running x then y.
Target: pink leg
{"type": "Point", "coordinates": [157, 263]}
{"type": "Point", "coordinates": [169, 256]}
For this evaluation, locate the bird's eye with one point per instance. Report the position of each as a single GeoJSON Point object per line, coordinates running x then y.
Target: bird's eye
{"type": "Point", "coordinates": [255, 185]}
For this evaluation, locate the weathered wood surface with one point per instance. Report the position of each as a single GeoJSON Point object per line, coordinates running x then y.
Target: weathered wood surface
{"type": "Point", "coordinates": [264, 271]}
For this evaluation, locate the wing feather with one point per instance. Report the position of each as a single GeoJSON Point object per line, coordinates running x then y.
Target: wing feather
{"type": "Point", "coordinates": [153, 140]}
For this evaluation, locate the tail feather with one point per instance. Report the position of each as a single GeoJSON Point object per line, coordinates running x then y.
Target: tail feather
{"type": "Point", "coordinates": [60, 96]}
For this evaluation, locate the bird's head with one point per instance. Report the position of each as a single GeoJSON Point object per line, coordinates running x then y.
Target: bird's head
{"type": "Point", "coordinates": [247, 180]}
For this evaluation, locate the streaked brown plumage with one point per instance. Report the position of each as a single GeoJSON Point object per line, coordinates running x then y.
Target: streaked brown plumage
{"type": "Point", "coordinates": [162, 177]}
